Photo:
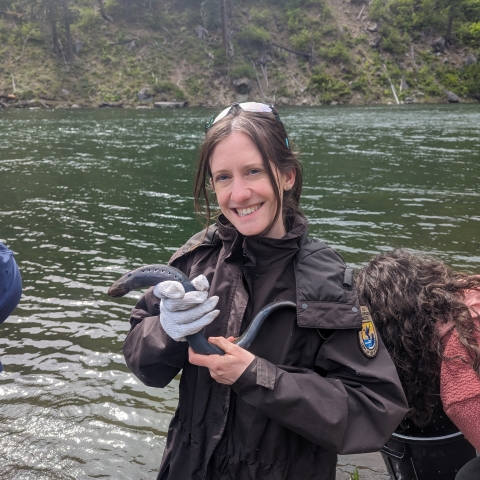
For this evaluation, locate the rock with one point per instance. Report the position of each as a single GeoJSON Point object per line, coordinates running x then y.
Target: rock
{"type": "Point", "coordinates": [77, 46]}
{"type": "Point", "coordinates": [142, 107]}
{"type": "Point", "coordinates": [144, 95]}
{"type": "Point", "coordinates": [242, 85]}
{"type": "Point", "coordinates": [375, 43]}
{"type": "Point", "coordinates": [111, 105]}
{"type": "Point", "coordinates": [131, 45]}
{"type": "Point", "coordinates": [408, 100]}
{"type": "Point", "coordinates": [75, 106]}
{"type": "Point", "coordinates": [200, 31]}
{"type": "Point", "coordinates": [404, 85]}
{"type": "Point", "coordinates": [173, 104]}
{"type": "Point", "coordinates": [334, 103]}
{"type": "Point", "coordinates": [476, 96]}
{"type": "Point", "coordinates": [438, 45]}
{"type": "Point", "coordinates": [242, 97]}
{"type": "Point", "coordinates": [471, 60]}
{"type": "Point", "coordinates": [451, 97]}
{"type": "Point", "coordinates": [373, 28]}
{"type": "Point", "coordinates": [65, 91]}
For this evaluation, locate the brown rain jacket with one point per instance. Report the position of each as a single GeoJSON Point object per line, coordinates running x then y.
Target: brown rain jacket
{"type": "Point", "coordinates": [309, 394]}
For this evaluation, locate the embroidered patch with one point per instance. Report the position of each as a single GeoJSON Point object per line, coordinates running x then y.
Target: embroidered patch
{"type": "Point", "coordinates": [368, 336]}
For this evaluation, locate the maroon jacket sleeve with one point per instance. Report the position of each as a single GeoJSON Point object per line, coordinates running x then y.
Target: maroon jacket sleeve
{"type": "Point", "coordinates": [352, 406]}
{"type": "Point", "coordinates": [149, 352]}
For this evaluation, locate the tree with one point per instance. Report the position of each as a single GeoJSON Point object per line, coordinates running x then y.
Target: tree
{"type": "Point", "coordinates": [67, 20]}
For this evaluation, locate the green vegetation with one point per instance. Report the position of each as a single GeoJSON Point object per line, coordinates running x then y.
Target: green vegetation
{"type": "Point", "coordinates": [295, 51]}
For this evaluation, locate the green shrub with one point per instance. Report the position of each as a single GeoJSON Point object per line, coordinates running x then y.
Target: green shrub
{"type": "Point", "coordinates": [301, 40]}
{"type": "Point", "coordinates": [337, 52]}
{"type": "Point", "coordinates": [471, 78]}
{"type": "Point", "coordinates": [167, 90]}
{"type": "Point", "coordinates": [427, 83]}
{"type": "Point", "coordinates": [327, 87]}
{"type": "Point", "coordinates": [393, 42]}
{"type": "Point", "coordinates": [243, 70]}
{"type": "Point", "coordinates": [252, 37]}
{"type": "Point", "coordinates": [195, 86]}
{"type": "Point", "coordinates": [360, 84]}
{"type": "Point", "coordinates": [219, 57]}
{"type": "Point", "coordinates": [88, 19]}
{"type": "Point", "coordinates": [378, 10]}
{"type": "Point", "coordinates": [260, 17]}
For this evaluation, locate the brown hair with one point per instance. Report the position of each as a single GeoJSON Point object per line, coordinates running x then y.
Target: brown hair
{"type": "Point", "coordinates": [408, 295]}
{"type": "Point", "coordinates": [270, 137]}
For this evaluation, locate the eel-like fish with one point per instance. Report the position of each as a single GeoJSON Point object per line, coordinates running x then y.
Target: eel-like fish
{"type": "Point", "coordinates": [152, 274]}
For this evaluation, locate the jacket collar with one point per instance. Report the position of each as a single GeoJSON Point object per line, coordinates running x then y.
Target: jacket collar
{"type": "Point", "coordinates": [260, 251]}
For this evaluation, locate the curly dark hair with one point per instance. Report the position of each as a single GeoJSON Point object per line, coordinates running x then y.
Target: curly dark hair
{"type": "Point", "coordinates": [408, 295]}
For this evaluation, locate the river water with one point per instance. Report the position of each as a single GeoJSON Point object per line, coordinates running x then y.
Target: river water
{"type": "Point", "coordinates": [86, 195]}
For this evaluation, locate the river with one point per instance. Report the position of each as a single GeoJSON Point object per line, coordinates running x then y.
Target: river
{"type": "Point", "coordinates": [87, 195]}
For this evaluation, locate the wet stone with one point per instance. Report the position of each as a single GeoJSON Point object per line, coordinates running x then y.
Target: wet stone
{"type": "Point", "coordinates": [370, 466]}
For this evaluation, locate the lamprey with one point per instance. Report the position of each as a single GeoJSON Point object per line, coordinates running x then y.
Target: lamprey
{"type": "Point", "coordinates": [150, 275]}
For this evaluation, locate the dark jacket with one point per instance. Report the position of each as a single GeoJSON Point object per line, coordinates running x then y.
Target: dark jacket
{"type": "Point", "coordinates": [309, 394]}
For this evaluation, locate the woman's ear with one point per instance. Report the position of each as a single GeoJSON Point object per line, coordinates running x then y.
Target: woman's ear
{"type": "Point", "coordinates": [290, 179]}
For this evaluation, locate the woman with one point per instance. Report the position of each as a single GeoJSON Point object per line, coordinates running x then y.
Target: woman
{"type": "Point", "coordinates": [429, 318]}
{"type": "Point", "coordinates": [306, 390]}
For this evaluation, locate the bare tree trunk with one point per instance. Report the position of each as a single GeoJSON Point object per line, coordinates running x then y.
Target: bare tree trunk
{"type": "Point", "coordinates": [224, 26]}
{"type": "Point", "coordinates": [53, 27]}
{"type": "Point", "coordinates": [103, 14]}
{"type": "Point", "coordinates": [448, 35]}
{"type": "Point", "coordinates": [68, 35]}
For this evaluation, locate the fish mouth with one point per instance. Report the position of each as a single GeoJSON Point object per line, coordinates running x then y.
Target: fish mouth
{"type": "Point", "coordinates": [243, 212]}
{"type": "Point", "coordinates": [115, 291]}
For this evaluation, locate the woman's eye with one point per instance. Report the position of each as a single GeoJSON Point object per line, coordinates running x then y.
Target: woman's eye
{"type": "Point", "coordinates": [221, 178]}
{"type": "Point", "coordinates": [254, 171]}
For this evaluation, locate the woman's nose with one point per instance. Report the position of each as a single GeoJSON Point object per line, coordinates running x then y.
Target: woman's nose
{"type": "Point", "coordinates": [240, 191]}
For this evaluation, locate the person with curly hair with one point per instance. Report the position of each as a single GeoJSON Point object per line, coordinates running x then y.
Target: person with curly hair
{"type": "Point", "coordinates": [429, 319]}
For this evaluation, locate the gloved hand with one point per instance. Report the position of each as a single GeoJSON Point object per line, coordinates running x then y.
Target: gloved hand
{"type": "Point", "coordinates": [181, 313]}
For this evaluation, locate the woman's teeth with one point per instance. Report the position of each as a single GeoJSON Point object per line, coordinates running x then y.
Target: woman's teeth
{"type": "Point", "coordinates": [247, 211]}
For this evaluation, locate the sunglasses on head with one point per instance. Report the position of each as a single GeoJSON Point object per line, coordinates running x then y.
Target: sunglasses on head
{"type": "Point", "coordinates": [253, 107]}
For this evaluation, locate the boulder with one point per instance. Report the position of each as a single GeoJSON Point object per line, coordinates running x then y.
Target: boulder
{"type": "Point", "coordinates": [242, 85]}
{"type": "Point", "coordinates": [451, 97]}
{"type": "Point", "coordinates": [408, 100]}
{"type": "Point", "coordinates": [111, 105]}
{"type": "Point", "coordinates": [131, 45]}
{"type": "Point", "coordinates": [404, 85]}
{"type": "Point", "coordinates": [471, 60]}
{"type": "Point", "coordinates": [476, 96]}
{"type": "Point", "coordinates": [375, 43]}
{"type": "Point", "coordinates": [200, 31]}
{"type": "Point", "coordinates": [144, 95]}
{"type": "Point", "coordinates": [438, 45]}
{"type": "Point", "coordinates": [373, 28]}
{"type": "Point", "coordinates": [65, 91]}
{"type": "Point", "coordinates": [77, 46]}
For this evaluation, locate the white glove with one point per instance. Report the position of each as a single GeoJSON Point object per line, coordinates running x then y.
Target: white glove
{"type": "Point", "coordinates": [181, 313]}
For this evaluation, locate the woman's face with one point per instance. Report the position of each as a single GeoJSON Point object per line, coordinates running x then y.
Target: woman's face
{"type": "Point", "coordinates": [243, 188]}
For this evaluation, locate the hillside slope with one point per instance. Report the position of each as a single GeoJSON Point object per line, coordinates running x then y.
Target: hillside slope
{"type": "Point", "coordinates": [296, 52]}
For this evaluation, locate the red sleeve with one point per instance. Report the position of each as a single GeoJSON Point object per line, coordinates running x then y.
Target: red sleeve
{"type": "Point", "coordinates": [460, 385]}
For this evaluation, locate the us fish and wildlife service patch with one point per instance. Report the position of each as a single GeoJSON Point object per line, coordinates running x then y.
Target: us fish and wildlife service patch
{"type": "Point", "coordinates": [368, 336]}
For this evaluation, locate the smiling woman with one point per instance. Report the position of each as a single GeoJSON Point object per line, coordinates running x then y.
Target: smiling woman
{"type": "Point", "coordinates": [309, 387]}
{"type": "Point", "coordinates": [243, 188]}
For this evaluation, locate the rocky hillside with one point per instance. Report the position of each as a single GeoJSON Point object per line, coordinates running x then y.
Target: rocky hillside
{"type": "Point", "coordinates": [59, 53]}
